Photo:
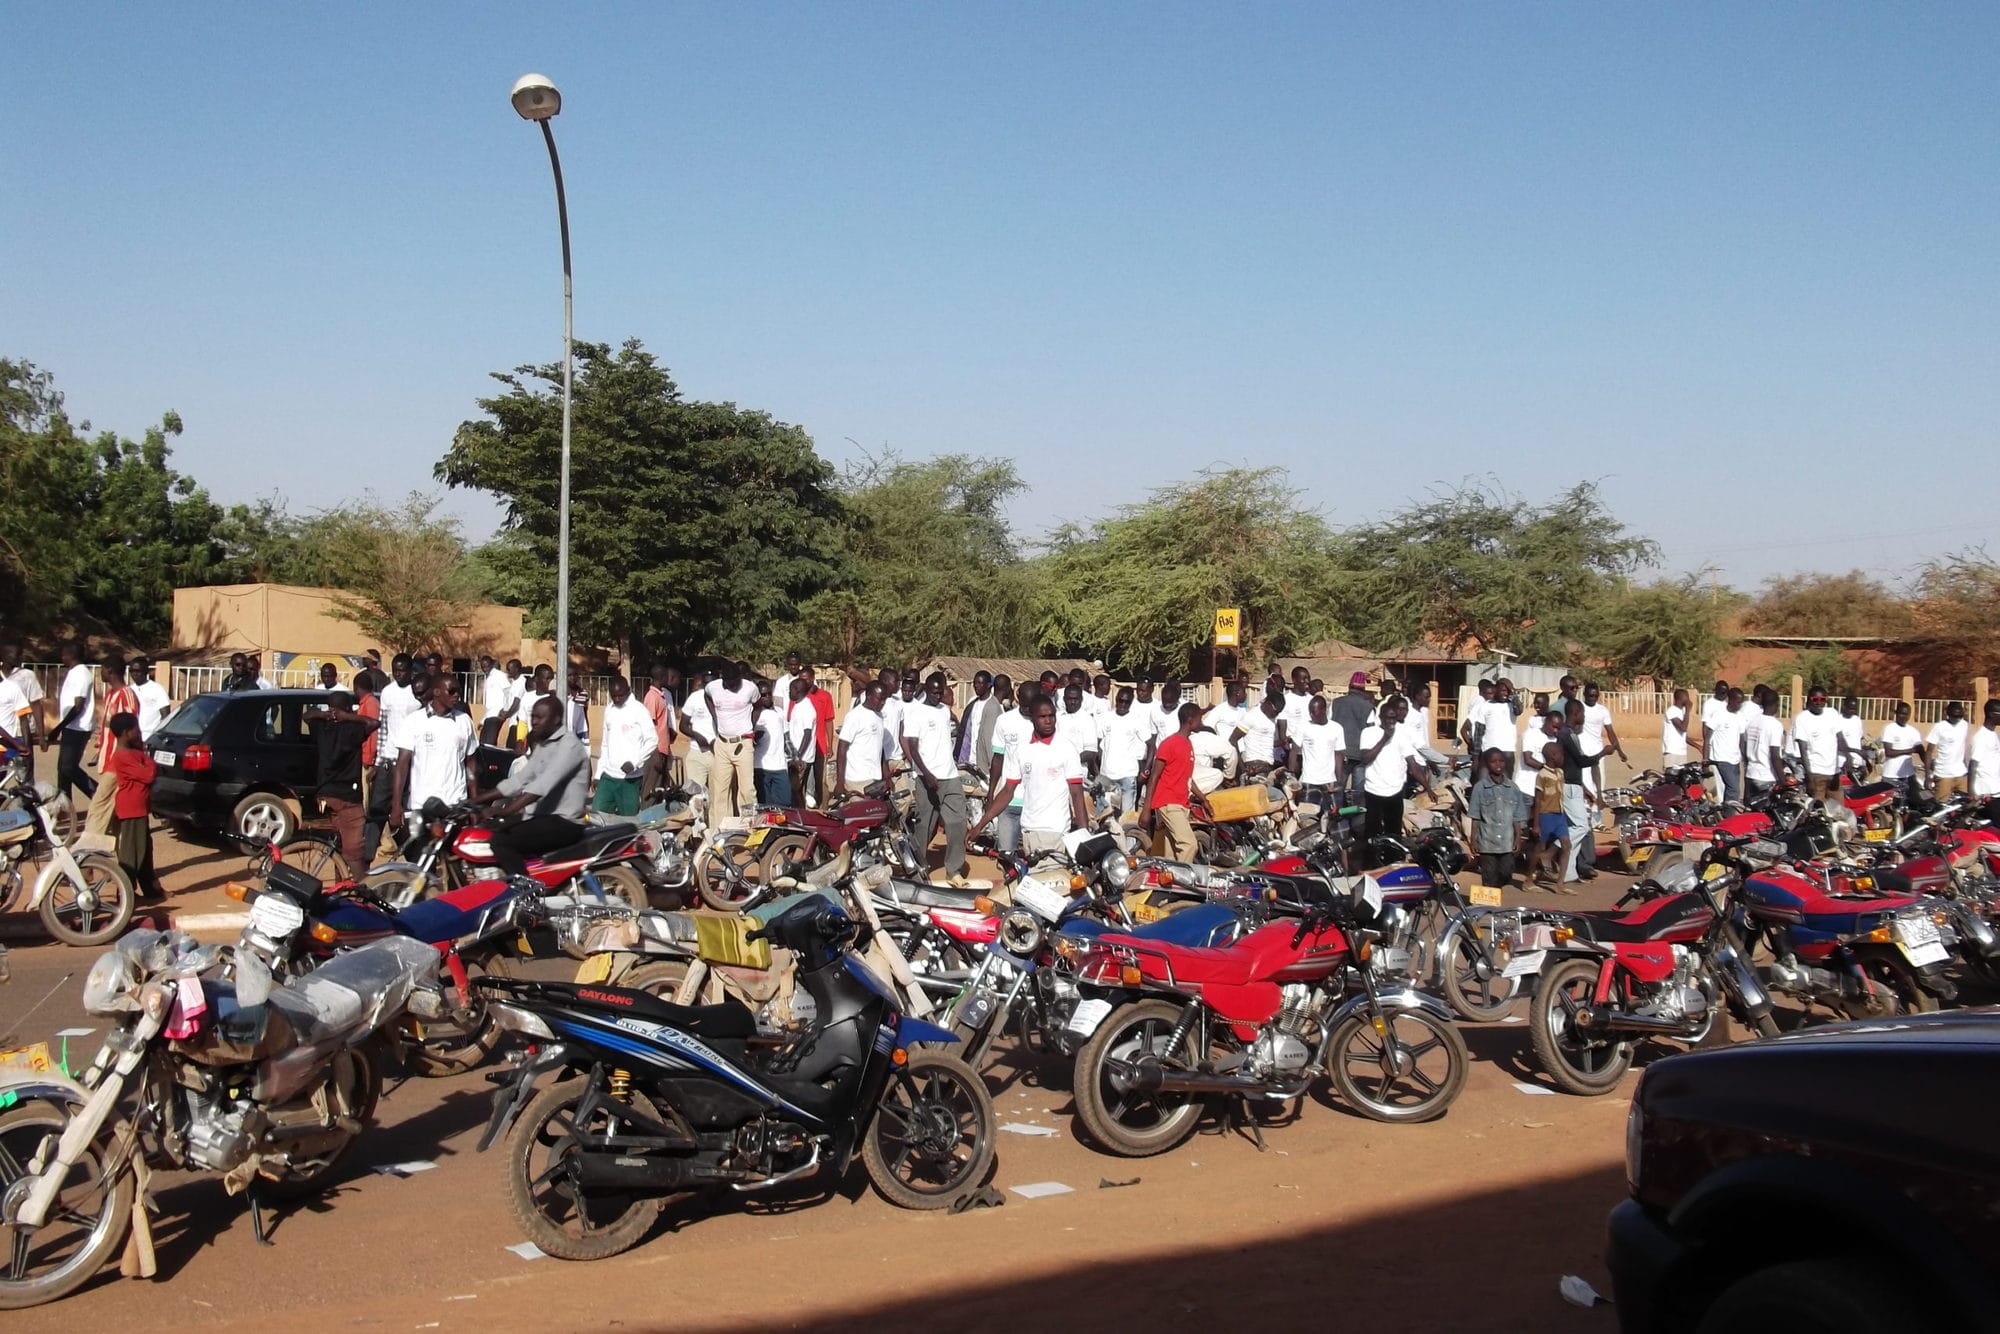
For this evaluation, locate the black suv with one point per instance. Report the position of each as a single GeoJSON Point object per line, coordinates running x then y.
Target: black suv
{"type": "Point", "coordinates": [1839, 1179]}
{"type": "Point", "coordinates": [244, 762]}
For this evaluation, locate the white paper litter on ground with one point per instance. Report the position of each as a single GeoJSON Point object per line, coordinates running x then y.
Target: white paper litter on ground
{"type": "Point", "coordinates": [1536, 1090]}
{"type": "Point", "coordinates": [1023, 1128]}
{"type": "Point", "coordinates": [527, 1250]}
{"type": "Point", "coordinates": [1579, 1293]}
{"type": "Point", "coordinates": [74, 1032]}
{"type": "Point", "coordinates": [1037, 1189]}
{"type": "Point", "coordinates": [1513, 1019]}
{"type": "Point", "coordinates": [402, 1169]}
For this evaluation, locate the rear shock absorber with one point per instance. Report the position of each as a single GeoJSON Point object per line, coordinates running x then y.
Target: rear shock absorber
{"type": "Point", "coordinates": [621, 1084]}
{"type": "Point", "coordinates": [1189, 1013]}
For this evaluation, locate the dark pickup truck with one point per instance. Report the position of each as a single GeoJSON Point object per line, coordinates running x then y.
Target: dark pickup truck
{"type": "Point", "coordinates": [1840, 1179]}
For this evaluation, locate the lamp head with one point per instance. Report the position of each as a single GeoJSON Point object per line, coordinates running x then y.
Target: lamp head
{"type": "Point", "coordinates": [535, 97]}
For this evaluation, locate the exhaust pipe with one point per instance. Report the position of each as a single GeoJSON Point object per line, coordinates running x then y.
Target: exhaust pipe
{"type": "Point", "coordinates": [617, 1171]}
{"type": "Point", "coordinates": [1619, 1021]}
{"type": "Point", "coordinates": [1151, 1077]}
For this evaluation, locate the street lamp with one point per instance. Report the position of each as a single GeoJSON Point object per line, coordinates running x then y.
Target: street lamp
{"type": "Point", "coordinates": [538, 100]}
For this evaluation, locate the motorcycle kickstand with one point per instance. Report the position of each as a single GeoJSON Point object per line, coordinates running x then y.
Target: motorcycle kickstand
{"type": "Point", "coordinates": [1240, 1118]}
{"type": "Point", "coordinates": [257, 1229]}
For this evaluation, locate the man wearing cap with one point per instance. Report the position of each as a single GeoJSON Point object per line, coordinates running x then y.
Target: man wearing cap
{"type": "Point", "coordinates": [1353, 713]}
{"type": "Point", "coordinates": [1821, 743]}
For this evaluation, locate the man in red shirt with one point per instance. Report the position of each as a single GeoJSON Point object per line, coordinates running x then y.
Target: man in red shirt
{"type": "Point", "coordinates": [132, 805]}
{"type": "Point", "coordinates": [1172, 788]}
{"type": "Point", "coordinates": [822, 779]}
{"type": "Point", "coordinates": [659, 702]}
{"type": "Point", "coordinates": [118, 698]}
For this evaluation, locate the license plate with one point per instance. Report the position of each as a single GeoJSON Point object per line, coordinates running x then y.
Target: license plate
{"type": "Point", "coordinates": [166, 759]}
{"type": "Point", "coordinates": [1485, 896]}
{"type": "Point", "coordinates": [1525, 965]}
{"type": "Point", "coordinates": [597, 968]}
{"type": "Point", "coordinates": [274, 918]}
{"type": "Point", "coordinates": [1920, 942]}
{"type": "Point", "coordinates": [1876, 835]}
{"type": "Point", "coordinates": [1083, 1021]}
{"type": "Point", "coordinates": [34, 1057]}
{"type": "Point", "coordinates": [1043, 899]}
{"type": "Point", "coordinates": [756, 838]}
{"type": "Point", "coordinates": [1640, 856]}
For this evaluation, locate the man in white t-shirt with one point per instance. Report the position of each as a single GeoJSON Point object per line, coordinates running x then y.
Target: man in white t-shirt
{"type": "Point", "coordinates": [1945, 752]}
{"type": "Point", "coordinates": [1722, 744]}
{"type": "Point", "coordinates": [1392, 764]}
{"type": "Point", "coordinates": [732, 700]}
{"type": "Point", "coordinates": [698, 725]}
{"type": "Point", "coordinates": [1011, 732]}
{"type": "Point", "coordinates": [892, 719]}
{"type": "Point", "coordinates": [496, 699]}
{"type": "Point", "coordinates": [927, 730]}
{"type": "Point", "coordinates": [434, 749]}
{"type": "Point", "coordinates": [1258, 734]}
{"type": "Point", "coordinates": [1763, 755]}
{"type": "Point", "coordinates": [1165, 714]}
{"type": "Point", "coordinates": [858, 749]}
{"type": "Point", "coordinates": [1674, 731]}
{"type": "Point", "coordinates": [1223, 719]}
{"type": "Point", "coordinates": [14, 740]}
{"type": "Point", "coordinates": [1048, 773]}
{"type": "Point", "coordinates": [781, 689]}
{"type": "Point", "coordinates": [801, 736]}
{"type": "Point", "coordinates": [1856, 733]}
{"type": "Point", "coordinates": [1316, 757]}
{"type": "Point", "coordinates": [1124, 737]}
{"type": "Point", "coordinates": [1821, 744]}
{"type": "Point", "coordinates": [25, 723]}
{"type": "Point", "coordinates": [1077, 725]}
{"type": "Point", "coordinates": [1983, 755]}
{"type": "Point", "coordinates": [626, 741]}
{"type": "Point", "coordinates": [76, 712]}
{"type": "Point", "coordinates": [1598, 733]}
{"type": "Point", "coordinates": [774, 775]}
{"type": "Point", "coordinates": [1901, 744]}
{"type": "Point", "coordinates": [1214, 760]}
{"type": "Point", "coordinates": [1535, 737]}
{"type": "Point", "coordinates": [1297, 710]}
{"type": "Point", "coordinates": [398, 700]}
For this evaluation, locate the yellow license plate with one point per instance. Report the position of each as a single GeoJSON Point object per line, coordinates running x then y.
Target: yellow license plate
{"type": "Point", "coordinates": [1485, 896]}
{"type": "Point", "coordinates": [1876, 835]}
{"type": "Point", "coordinates": [34, 1057]}
{"type": "Point", "coordinates": [597, 968]}
{"type": "Point", "coordinates": [1640, 856]}
{"type": "Point", "coordinates": [756, 838]}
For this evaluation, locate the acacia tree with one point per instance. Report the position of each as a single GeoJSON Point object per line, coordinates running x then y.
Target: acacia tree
{"type": "Point", "coordinates": [694, 525]}
{"type": "Point", "coordinates": [403, 572]}
{"type": "Point", "coordinates": [931, 566]}
{"type": "Point", "coordinates": [1956, 621]}
{"type": "Point", "coordinates": [1851, 605]}
{"type": "Point", "coordinates": [1139, 589]}
{"type": "Point", "coordinates": [1669, 631]}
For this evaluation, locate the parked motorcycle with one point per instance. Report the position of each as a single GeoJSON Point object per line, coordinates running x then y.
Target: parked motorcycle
{"type": "Point", "coordinates": [83, 898]}
{"type": "Point", "coordinates": [452, 847]}
{"type": "Point", "coordinates": [660, 1099]}
{"type": "Point", "coordinates": [210, 1066]}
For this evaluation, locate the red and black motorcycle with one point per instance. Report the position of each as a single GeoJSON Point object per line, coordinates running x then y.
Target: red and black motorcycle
{"type": "Point", "coordinates": [453, 848]}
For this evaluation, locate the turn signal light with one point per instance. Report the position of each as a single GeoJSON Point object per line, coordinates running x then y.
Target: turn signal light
{"type": "Point", "coordinates": [1365, 950]}
{"type": "Point", "coordinates": [1166, 879]}
{"type": "Point", "coordinates": [982, 904]}
{"type": "Point", "coordinates": [1880, 935]}
{"type": "Point", "coordinates": [899, 1057]}
{"type": "Point", "coordinates": [778, 817]}
{"type": "Point", "coordinates": [1563, 933]}
{"type": "Point", "coordinates": [196, 758]}
{"type": "Point", "coordinates": [1130, 975]}
{"type": "Point", "coordinates": [324, 934]}
{"type": "Point", "coordinates": [235, 891]}
{"type": "Point", "coordinates": [1076, 884]}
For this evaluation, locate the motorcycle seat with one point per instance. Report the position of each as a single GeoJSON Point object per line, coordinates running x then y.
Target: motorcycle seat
{"type": "Point", "coordinates": [1657, 919]}
{"type": "Point", "coordinates": [449, 916]}
{"type": "Point", "coordinates": [918, 893]}
{"type": "Point", "coordinates": [1199, 925]}
{"type": "Point", "coordinates": [731, 1019]}
{"type": "Point", "coordinates": [593, 842]}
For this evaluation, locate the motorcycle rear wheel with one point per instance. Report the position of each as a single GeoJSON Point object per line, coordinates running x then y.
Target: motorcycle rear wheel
{"type": "Point", "coordinates": [68, 1251]}
{"type": "Point", "coordinates": [787, 854]}
{"type": "Point", "coordinates": [452, 1047]}
{"type": "Point", "coordinates": [69, 920]}
{"type": "Point", "coordinates": [1481, 999]}
{"type": "Point", "coordinates": [620, 881]}
{"type": "Point", "coordinates": [721, 871]}
{"type": "Point", "coordinates": [558, 1219]}
{"type": "Point", "coordinates": [353, 1086]}
{"type": "Point", "coordinates": [1358, 1061]}
{"type": "Point", "coordinates": [931, 1139]}
{"type": "Point", "coordinates": [1128, 1124]}
{"type": "Point", "coordinates": [1586, 1067]}
{"type": "Point", "coordinates": [1900, 980]}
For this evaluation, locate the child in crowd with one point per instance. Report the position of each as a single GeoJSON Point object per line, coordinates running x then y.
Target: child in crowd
{"type": "Point", "coordinates": [1551, 851]}
{"type": "Point", "coordinates": [1495, 806]}
{"type": "Point", "coordinates": [132, 768]}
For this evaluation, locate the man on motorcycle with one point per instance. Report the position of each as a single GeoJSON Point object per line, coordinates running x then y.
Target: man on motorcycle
{"type": "Point", "coordinates": [539, 806]}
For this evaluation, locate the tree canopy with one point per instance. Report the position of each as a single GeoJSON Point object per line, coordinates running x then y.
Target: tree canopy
{"type": "Point", "coordinates": [1836, 606]}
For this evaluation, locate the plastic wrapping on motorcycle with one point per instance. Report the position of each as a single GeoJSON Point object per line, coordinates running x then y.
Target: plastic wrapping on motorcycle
{"type": "Point", "coordinates": [772, 911]}
{"type": "Point", "coordinates": [113, 980]}
{"type": "Point", "coordinates": [354, 988]}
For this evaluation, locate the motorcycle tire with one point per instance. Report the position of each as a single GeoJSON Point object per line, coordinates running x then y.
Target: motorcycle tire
{"type": "Point", "coordinates": [1481, 1000]}
{"type": "Point", "coordinates": [1901, 980]}
{"type": "Point", "coordinates": [1354, 1044]}
{"type": "Point", "coordinates": [935, 1114]}
{"type": "Point", "coordinates": [353, 1085]}
{"type": "Point", "coordinates": [786, 854]}
{"type": "Point", "coordinates": [1585, 1069]}
{"type": "Point", "coordinates": [720, 874]}
{"type": "Point", "coordinates": [442, 1049]}
{"type": "Point", "coordinates": [1104, 1109]}
{"type": "Point", "coordinates": [22, 1131]}
{"type": "Point", "coordinates": [536, 1194]}
{"type": "Point", "coordinates": [67, 920]}
{"type": "Point", "coordinates": [663, 979]}
{"type": "Point", "coordinates": [624, 883]}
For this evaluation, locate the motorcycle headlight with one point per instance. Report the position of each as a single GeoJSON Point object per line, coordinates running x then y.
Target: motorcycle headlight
{"type": "Point", "coordinates": [1020, 933]}
{"type": "Point", "coordinates": [1117, 871]}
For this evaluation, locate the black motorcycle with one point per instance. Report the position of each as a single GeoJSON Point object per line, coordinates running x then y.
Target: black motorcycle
{"type": "Point", "coordinates": [675, 1098]}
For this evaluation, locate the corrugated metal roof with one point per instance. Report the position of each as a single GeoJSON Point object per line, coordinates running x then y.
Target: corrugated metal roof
{"type": "Point", "coordinates": [1015, 669]}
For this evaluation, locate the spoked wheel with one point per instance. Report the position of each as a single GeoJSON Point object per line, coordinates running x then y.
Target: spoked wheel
{"type": "Point", "coordinates": [352, 1086]}
{"type": "Point", "coordinates": [1895, 990]}
{"type": "Point", "coordinates": [932, 1137]}
{"type": "Point", "coordinates": [784, 855]}
{"type": "Point", "coordinates": [723, 870]}
{"type": "Point", "coordinates": [94, 913]}
{"type": "Point", "coordinates": [317, 856]}
{"type": "Point", "coordinates": [1410, 1070]}
{"type": "Point", "coordinates": [459, 1041]}
{"type": "Point", "coordinates": [623, 882]}
{"type": "Point", "coordinates": [1472, 981]}
{"type": "Point", "coordinates": [1111, 1099]}
{"type": "Point", "coordinates": [83, 1229]}
{"type": "Point", "coordinates": [561, 1219]}
{"type": "Point", "coordinates": [1578, 1062]}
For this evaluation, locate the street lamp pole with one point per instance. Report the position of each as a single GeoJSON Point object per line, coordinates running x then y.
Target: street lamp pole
{"type": "Point", "coordinates": [536, 99]}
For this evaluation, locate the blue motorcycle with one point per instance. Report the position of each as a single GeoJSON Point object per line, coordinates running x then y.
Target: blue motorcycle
{"type": "Point", "coordinates": [654, 1099]}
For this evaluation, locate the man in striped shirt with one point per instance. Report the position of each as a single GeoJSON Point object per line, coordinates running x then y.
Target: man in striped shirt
{"type": "Point", "coordinates": [119, 697]}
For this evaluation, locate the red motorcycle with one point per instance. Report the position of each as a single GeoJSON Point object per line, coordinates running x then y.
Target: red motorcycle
{"type": "Point", "coordinates": [792, 840]}
{"type": "Point", "coordinates": [453, 848]}
{"type": "Point", "coordinates": [1255, 1021]}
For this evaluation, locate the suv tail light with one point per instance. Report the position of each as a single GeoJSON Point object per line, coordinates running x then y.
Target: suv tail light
{"type": "Point", "coordinates": [196, 758]}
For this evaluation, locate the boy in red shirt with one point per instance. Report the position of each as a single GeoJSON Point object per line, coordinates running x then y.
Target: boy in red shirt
{"type": "Point", "coordinates": [132, 806]}
{"type": "Point", "coordinates": [1172, 788]}
{"type": "Point", "coordinates": [119, 697]}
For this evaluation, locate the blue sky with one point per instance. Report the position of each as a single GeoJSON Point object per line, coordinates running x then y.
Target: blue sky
{"type": "Point", "coordinates": [1738, 262]}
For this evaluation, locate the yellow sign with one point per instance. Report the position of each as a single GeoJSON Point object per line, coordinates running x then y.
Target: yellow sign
{"type": "Point", "coordinates": [1228, 621]}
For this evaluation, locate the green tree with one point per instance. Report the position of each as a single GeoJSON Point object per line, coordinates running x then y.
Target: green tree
{"type": "Point", "coordinates": [1140, 589]}
{"type": "Point", "coordinates": [1827, 668]}
{"type": "Point", "coordinates": [403, 571]}
{"type": "Point", "coordinates": [694, 525]}
{"type": "Point", "coordinates": [1669, 631]}
{"type": "Point", "coordinates": [1833, 606]}
{"type": "Point", "coordinates": [932, 567]}
{"type": "Point", "coordinates": [1955, 631]}
{"type": "Point", "coordinates": [1483, 570]}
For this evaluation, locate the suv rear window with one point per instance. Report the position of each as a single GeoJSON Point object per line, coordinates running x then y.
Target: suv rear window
{"type": "Point", "coordinates": [192, 718]}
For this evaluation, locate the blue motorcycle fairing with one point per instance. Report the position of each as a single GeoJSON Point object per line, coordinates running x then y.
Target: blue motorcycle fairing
{"type": "Point", "coordinates": [666, 1046]}
{"type": "Point", "coordinates": [916, 1030]}
{"type": "Point", "coordinates": [1402, 881]}
{"type": "Point", "coordinates": [1195, 926]}
{"type": "Point", "coordinates": [868, 979]}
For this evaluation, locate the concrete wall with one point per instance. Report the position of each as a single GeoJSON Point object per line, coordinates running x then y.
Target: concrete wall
{"type": "Point", "coordinates": [284, 619]}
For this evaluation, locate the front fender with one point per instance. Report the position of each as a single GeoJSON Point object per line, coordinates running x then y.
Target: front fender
{"type": "Point", "coordinates": [912, 1031]}
{"type": "Point", "coordinates": [40, 1086]}
{"type": "Point", "coordinates": [1409, 998]}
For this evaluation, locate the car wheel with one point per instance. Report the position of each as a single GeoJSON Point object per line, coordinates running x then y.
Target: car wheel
{"type": "Point", "coordinates": [263, 817]}
{"type": "Point", "coordinates": [1825, 1296]}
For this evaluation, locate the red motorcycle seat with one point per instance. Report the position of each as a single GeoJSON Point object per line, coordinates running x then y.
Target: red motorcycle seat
{"type": "Point", "coordinates": [1675, 915]}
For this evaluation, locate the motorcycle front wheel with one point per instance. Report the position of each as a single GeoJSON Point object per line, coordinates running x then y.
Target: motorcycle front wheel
{"type": "Point", "coordinates": [1413, 1071]}
{"type": "Point", "coordinates": [85, 1226]}
{"type": "Point", "coordinates": [562, 1220]}
{"type": "Point", "coordinates": [721, 873]}
{"type": "Point", "coordinates": [932, 1136]}
{"type": "Point", "coordinates": [1900, 992]}
{"type": "Point", "coordinates": [1122, 1120]}
{"type": "Point", "coordinates": [95, 913]}
{"type": "Point", "coordinates": [1579, 1064]}
{"type": "Point", "coordinates": [1482, 999]}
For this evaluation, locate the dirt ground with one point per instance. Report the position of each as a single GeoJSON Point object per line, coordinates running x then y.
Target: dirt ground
{"type": "Point", "coordinates": [1463, 1225]}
